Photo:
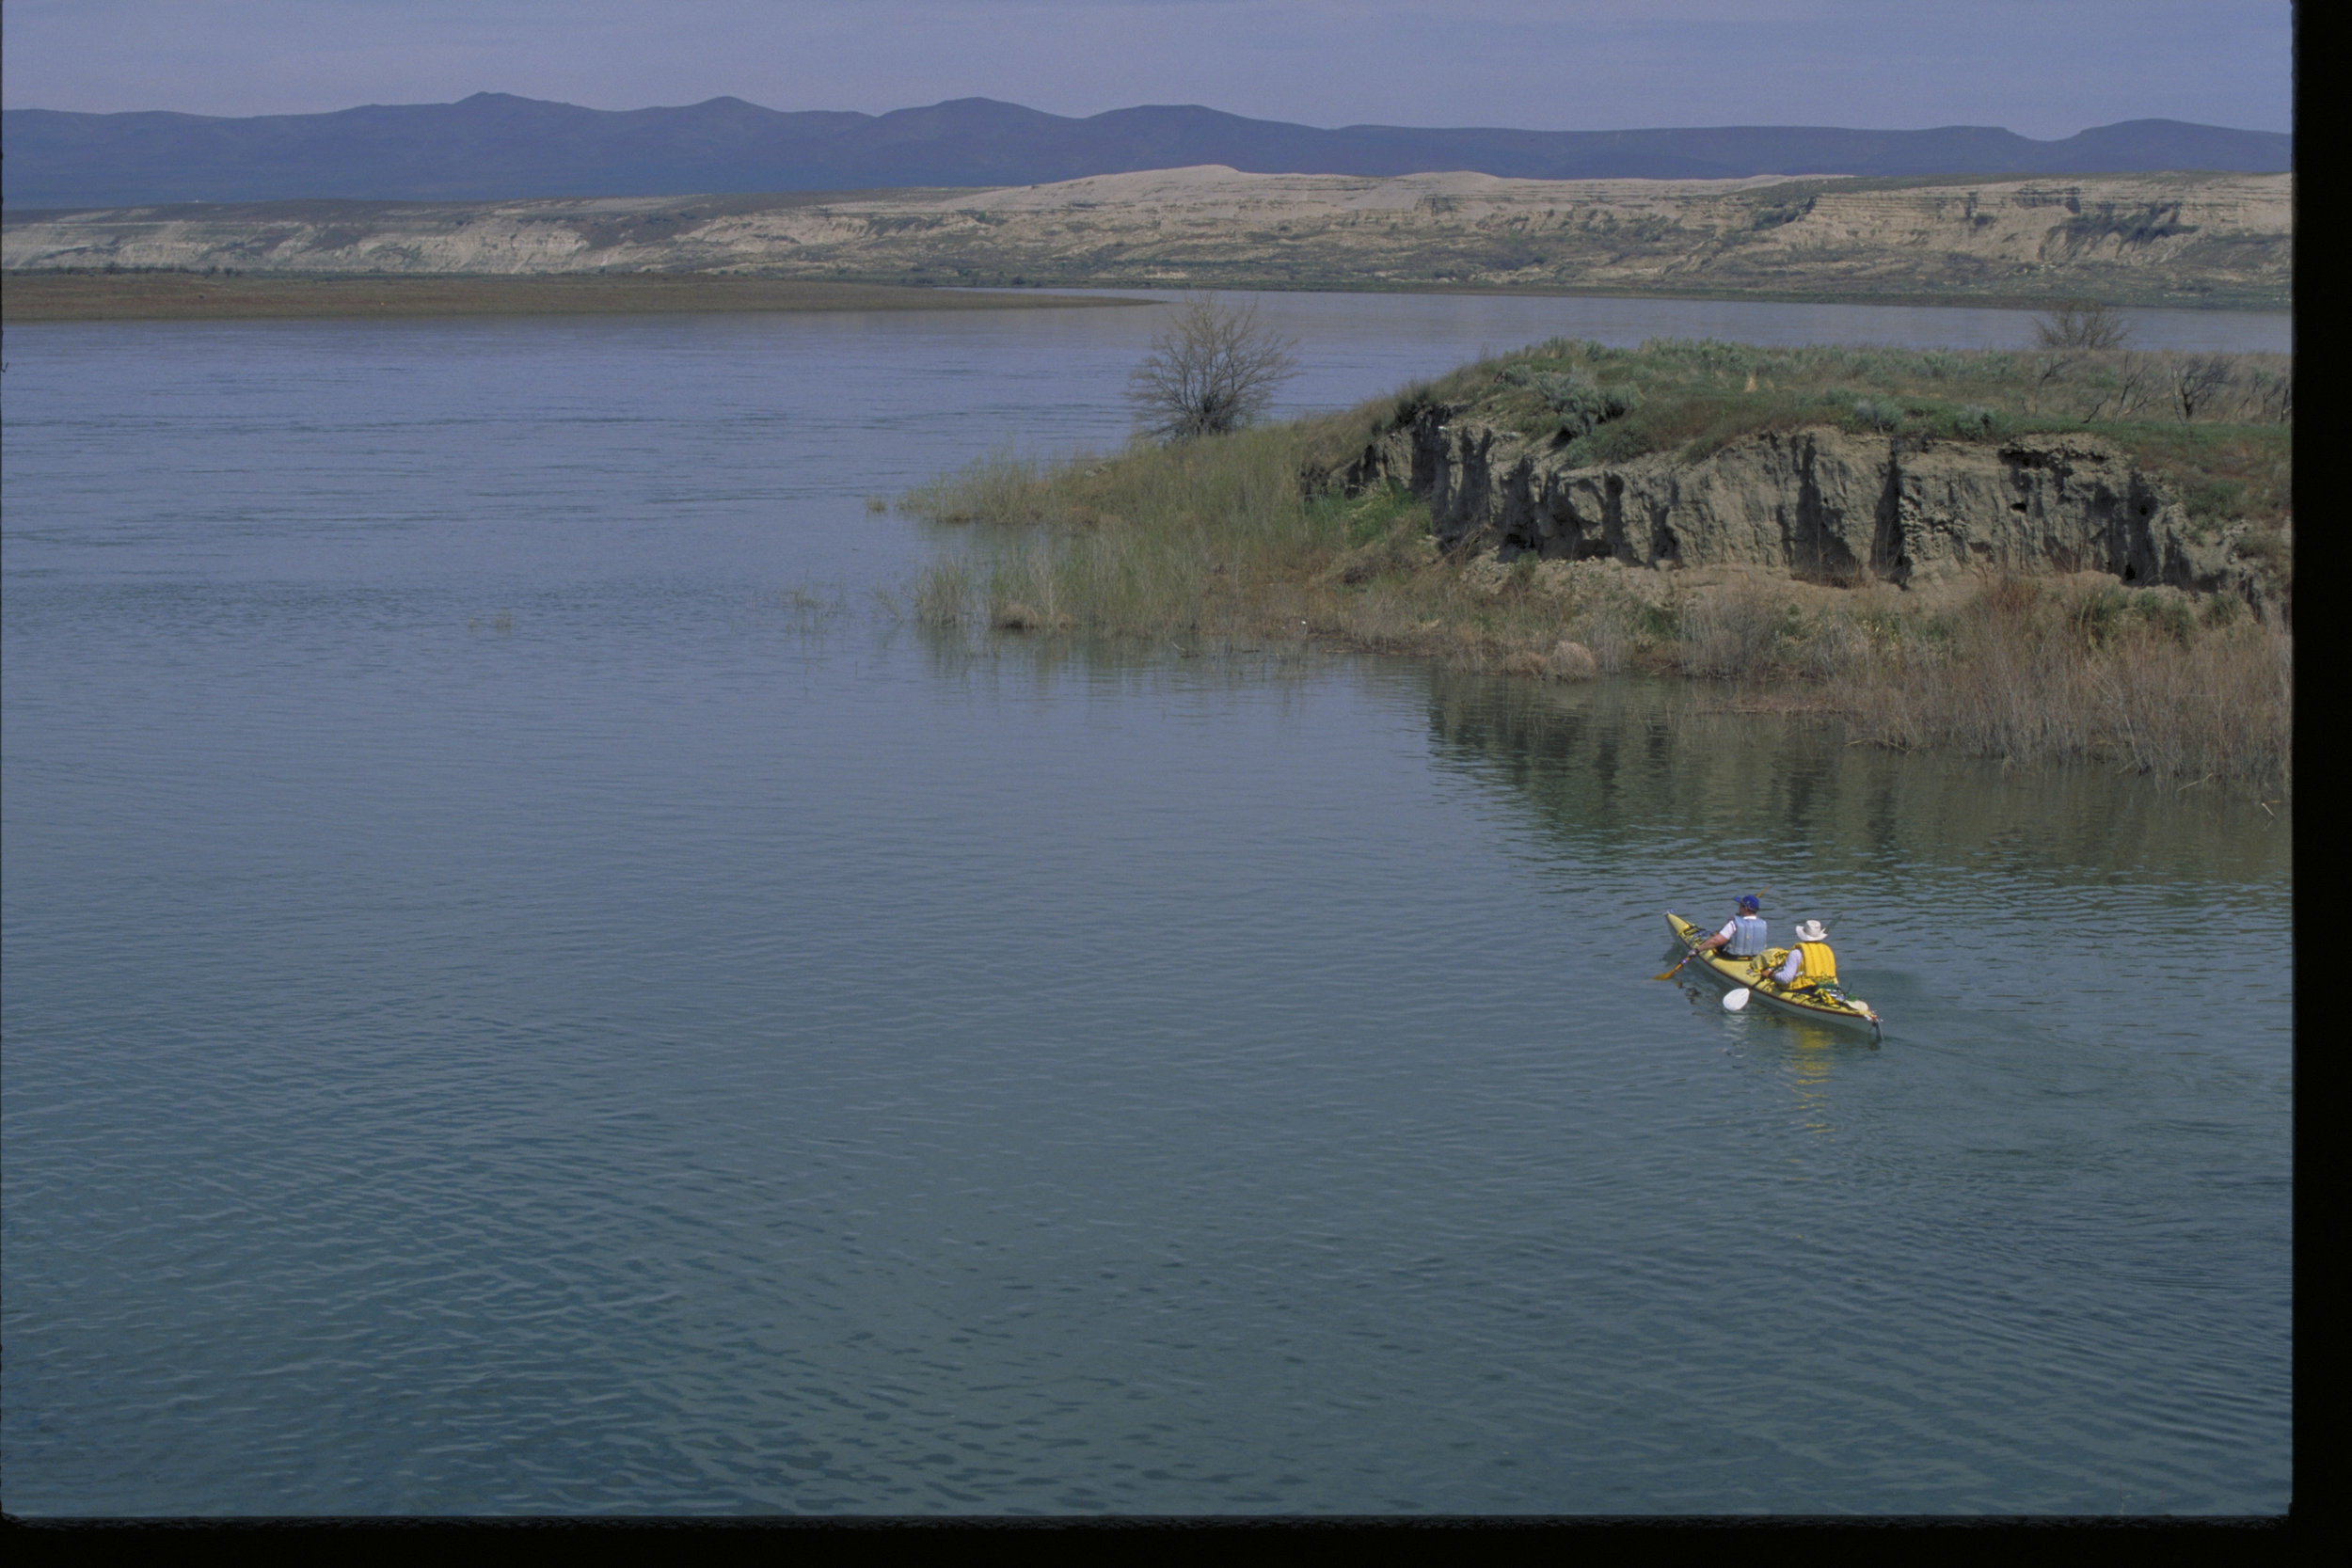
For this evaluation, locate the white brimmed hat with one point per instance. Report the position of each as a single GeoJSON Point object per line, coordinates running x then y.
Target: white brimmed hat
{"type": "Point", "coordinates": [1811, 931]}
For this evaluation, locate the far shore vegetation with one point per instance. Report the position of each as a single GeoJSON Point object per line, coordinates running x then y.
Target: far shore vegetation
{"type": "Point", "coordinates": [1245, 539]}
{"type": "Point", "coordinates": [130, 294]}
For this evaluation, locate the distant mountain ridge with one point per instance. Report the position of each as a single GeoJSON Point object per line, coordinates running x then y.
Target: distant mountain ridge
{"type": "Point", "coordinates": [497, 146]}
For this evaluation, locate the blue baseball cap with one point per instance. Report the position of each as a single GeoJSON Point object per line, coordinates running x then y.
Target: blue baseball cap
{"type": "Point", "coordinates": [1748, 902]}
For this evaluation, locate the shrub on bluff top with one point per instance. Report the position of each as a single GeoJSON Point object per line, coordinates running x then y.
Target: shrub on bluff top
{"type": "Point", "coordinates": [1582, 405]}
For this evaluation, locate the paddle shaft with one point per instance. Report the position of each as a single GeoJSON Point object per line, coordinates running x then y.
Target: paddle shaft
{"type": "Point", "coordinates": [1677, 969]}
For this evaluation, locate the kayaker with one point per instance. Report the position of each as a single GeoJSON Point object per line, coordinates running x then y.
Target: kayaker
{"type": "Point", "coordinates": [1810, 963]}
{"type": "Point", "coordinates": [1742, 936]}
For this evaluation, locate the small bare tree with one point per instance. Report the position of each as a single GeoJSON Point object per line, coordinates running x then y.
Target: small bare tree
{"type": "Point", "coordinates": [2196, 382]}
{"type": "Point", "coordinates": [1214, 368]}
{"type": "Point", "coordinates": [2041, 371]}
{"type": "Point", "coordinates": [2274, 395]}
{"type": "Point", "coordinates": [2080, 323]}
{"type": "Point", "coordinates": [2135, 384]}
{"type": "Point", "coordinates": [2125, 383]}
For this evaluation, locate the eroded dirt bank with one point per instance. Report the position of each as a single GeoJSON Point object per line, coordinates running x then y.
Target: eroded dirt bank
{"type": "Point", "coordinates": [1820, 503]}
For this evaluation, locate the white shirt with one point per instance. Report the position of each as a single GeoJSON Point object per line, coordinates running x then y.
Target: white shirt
{"type": "Point", "coordinates": [1731, 933]}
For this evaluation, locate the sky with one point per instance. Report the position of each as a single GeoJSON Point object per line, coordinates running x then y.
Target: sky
{"type": "Point", "coordinates": [2042, 68]}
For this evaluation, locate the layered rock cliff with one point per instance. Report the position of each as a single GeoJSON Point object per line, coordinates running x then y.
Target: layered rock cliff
{"type": "Point", "coordinates": [1819, 502]}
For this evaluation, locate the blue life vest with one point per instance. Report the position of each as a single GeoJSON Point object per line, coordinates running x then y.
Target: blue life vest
{"type": "Point", "coordinates": [1747, 936]}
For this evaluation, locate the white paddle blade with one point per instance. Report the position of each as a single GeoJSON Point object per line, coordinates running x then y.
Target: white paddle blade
{"type": "Point", "coordinates": [1735, 1000]}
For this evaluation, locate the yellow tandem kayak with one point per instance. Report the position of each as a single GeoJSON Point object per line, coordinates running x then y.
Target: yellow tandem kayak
{"type": "Point", "coordinates": [1823, 1004]}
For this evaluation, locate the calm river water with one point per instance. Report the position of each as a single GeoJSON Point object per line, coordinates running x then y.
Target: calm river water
{"type": "Point", "coordinates": [527, 990]}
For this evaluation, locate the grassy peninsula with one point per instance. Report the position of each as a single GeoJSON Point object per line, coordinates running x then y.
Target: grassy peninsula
{"type": "Point", "coordinates": [1278, 534]}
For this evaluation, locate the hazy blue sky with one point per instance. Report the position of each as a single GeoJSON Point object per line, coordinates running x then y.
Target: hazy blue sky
{"type": "Point", "coordinates": [2045, 67]}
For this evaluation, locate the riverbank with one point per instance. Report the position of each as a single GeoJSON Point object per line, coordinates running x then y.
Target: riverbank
{"type": "Point", "coordinates": [172, 295]}
{"type": "Point", "coordinates": [1289, 532]}
{"type": "Point", "coordinates": [1844, 464]}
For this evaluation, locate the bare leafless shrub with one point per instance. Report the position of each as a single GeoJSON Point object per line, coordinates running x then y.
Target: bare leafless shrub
{"type": "Point", "coordinates": [2135, 385]}
{"type": "Point", "coordinates": [1215, 369]}
{"type": "Point", "coordinates": [2044, 371]}
{"type": "Point", "coordinates": [2080, 323]}
{"type": "Point", "coordinates": [2197, 380]}
{"type": "Point", "coordinates": [2117, 385]}
{"type": "Point", "coordinates": [2273, 395]}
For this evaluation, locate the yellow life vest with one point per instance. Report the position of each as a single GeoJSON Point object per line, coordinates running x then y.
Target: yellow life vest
{"type": "Point", "coordinates": [1820, 964]}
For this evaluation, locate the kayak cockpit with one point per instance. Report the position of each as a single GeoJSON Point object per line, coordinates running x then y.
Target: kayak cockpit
{"type": "Point", "coordinates": [1751, 977]}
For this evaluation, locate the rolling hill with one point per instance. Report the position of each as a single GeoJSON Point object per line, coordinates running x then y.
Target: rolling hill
{"type": "Point", "coordinates": [498, 147]}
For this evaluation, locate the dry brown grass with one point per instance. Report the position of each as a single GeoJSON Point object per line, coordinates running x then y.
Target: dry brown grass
{"type": "Point", "coordinates": [2035, 673]}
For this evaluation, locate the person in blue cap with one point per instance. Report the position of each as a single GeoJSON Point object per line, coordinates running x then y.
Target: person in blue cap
{"type": "Point", "coordinates": [1742, 936]}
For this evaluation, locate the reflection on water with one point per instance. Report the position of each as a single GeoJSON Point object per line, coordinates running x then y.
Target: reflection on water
{"type": "Point", "coordinates": [1617, 765]}
{"type": "Point", "coordinates": [1809, 1071]}
{"type": "Point", "coordinates": [1801, 1050]}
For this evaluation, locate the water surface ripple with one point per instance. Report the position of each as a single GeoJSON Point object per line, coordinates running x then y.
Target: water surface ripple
{"type": "Point", "coordinates": [510, 1011]}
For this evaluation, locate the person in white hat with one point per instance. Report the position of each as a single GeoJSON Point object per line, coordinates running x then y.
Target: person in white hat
{"type": "Point", "coordinates": [1810, 963]}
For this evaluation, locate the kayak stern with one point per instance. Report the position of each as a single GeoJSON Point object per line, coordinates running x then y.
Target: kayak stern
{"type": "Point", "coordinates": [1750, 974]}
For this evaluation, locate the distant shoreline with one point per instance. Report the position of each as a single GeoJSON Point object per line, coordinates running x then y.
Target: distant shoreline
{"type": "Point", "coordinates": [62, 296]}
{"type": "Point", "coordinates": [2163, 240]}
{"type": "Point", "coordinates": [37, 295]}
{"type": "Point", "coordinates": [2248, 303]}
